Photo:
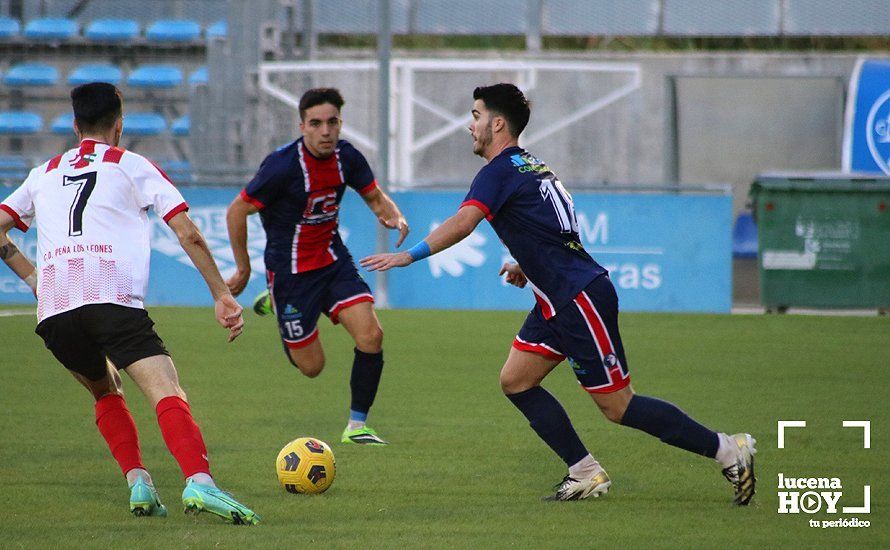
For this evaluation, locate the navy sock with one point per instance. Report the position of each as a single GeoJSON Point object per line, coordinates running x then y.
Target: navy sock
{"type": "Point", "coordinates": [365, 378]}
{"type": "Point", "coordinates": [549, 420]}
{"type": "Point", "coordinates": [669, 424]}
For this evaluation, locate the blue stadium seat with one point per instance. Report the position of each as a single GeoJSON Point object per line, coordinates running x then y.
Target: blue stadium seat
{"type": "Point", "coordinates": [51, 29]}
{"type": "Point", "coordinates": [180, 171]}
{"type": "Point", "coordinates": [95, 73]}
{"type": "Point", "coordinates": [9, 28]}
{"type": "Point", "coordinates": [744, 237]}
{"type": "Point", "coordinates": [14, 167]}
{"type": "Point", "coordinates": [20, 122]}
{"type": "Point", "coordinates": [199, 76]}
{"type": "Point", "coordinates": [144, 124]}
{"type": "Point", "coordinates": [63, 124]}
{"type": "Point", "coordinates": [32, 74]}
{"type": "Point", "coordinates": [220, 28]}
{"type": "Point", "coordinates": [112, 30]}
{"type": "Point", "coordinates": [173, 30]}
{"type": "Point", "coordinates": [181, 126]}
{"type": "Point", "coordinates": [155, 76]}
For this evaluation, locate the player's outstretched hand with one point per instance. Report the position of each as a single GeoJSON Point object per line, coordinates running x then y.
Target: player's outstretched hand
{"type": "Point", "coordinates": [238, 281]}
{"type": "Point", "coordinates": [382, 262]}
{"type": "Point", "coordinates": [515, 276]}
{"type": "Point", "coordinates": [228, 314]}
{"type": "Point", "coordinates": [399, 223]}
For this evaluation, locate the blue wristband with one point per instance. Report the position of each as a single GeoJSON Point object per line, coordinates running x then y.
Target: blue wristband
{"type": "Point", "coordinates": [419, 251]}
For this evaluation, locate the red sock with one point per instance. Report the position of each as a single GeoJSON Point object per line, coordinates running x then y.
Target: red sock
{"type": "Point", "coordinates": [117, 427]}
{"type": "Point", "coordinates": [182, 436]}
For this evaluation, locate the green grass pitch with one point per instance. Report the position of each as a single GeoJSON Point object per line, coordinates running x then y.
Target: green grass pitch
{"type": "Point", "coordinates": [464, 469]}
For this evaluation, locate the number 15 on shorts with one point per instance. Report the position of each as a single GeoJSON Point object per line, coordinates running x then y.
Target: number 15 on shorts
{"type": "Point", "coordinates": [293, 329]}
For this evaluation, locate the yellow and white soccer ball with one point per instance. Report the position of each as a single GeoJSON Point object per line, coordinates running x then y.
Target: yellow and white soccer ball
{"type": "Point", "coordinates": [306, 465]}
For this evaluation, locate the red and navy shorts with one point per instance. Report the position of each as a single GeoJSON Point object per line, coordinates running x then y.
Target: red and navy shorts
{"type": "Point", "coordinates": [299, 299]}
{"type": "Point", "coordinates": [585, 332]}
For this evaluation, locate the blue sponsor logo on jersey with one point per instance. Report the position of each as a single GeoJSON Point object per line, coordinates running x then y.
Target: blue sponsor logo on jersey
{"type": "Point", "coordinates": [524, 162]}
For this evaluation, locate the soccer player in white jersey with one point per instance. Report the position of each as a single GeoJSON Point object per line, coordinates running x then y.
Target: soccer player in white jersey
{"type": "Point", "coordinates": [90, 206]}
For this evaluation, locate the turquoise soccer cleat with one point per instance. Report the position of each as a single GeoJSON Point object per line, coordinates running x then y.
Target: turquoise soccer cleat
{"type": "Point", "coordinates": [199, 498]}
{"type": "Point", "coordinates": [144, 500]}
{"type": "Point", "coordinates": [362, 436]}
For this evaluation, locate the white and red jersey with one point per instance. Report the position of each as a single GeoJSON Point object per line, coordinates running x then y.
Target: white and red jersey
{"type": "Point", "coordinates": [91, 209]}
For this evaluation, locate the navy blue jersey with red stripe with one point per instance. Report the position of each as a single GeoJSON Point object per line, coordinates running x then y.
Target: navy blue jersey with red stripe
{"type": "Point", "coordinates": [534, 216]}
{"type": "Point", "coordinates": [298, 196]}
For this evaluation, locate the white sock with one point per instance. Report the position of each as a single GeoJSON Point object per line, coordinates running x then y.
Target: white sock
{"type": "Point", "coordinates": [727, 451]}
{"type": "Point", "coordinates": [202, 478]}
{"type": "Point", "coordinates": [355, 424]}
{"type": "Point", "coordinates": [584, 467]}
{"type": "Point", "coordinates": [135, 474]}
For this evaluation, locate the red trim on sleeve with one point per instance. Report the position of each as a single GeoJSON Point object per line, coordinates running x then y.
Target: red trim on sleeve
{"type": "Point", "coordinates": [368, 188]}
{"type": "Point", "coordinates": [247, 198]}
{"type": "Point", "coordinates": [181, 207]}
{"type": "Point", "coordinates": [15, 216]}
{"type": "Point", "coordinates": [53, 163]}
{"type": "Point", "coordinates": [113, 155]}
{"type": "Point", "coordinates": [164, 174]}
{"type": "Point", "coordinates": [481, 206]}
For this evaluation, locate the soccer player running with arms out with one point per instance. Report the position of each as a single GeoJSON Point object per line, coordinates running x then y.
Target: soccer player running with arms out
{"type": "Point", "coordinates": [90, 205]}
{"type": "Point", "coordinates": [297, 191]}
{"type": "Point", "coordinates": [576, 315]}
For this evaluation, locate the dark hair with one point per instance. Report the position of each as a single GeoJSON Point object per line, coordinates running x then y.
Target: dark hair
{"type": "Point", "coordinates": [320, 96]}
{"type": "Point", "coordinates": [508, 101]}
{"type": "Point", "coordinates": [97, 106]}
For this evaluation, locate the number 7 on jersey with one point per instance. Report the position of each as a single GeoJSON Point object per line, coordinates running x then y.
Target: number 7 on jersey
{"type": "Point", "coordinates": [85, 184]}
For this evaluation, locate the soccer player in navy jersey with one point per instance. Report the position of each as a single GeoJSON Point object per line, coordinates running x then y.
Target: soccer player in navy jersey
{"type": "Point", "coordinates": [576, 315]}
{"type": "Point", "coordinates": [297, 191]}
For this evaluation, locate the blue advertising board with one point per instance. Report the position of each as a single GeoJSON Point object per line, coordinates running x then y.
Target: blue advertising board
{"type": "Point", "coordinates": [173, 279]}
{"type": "Point", "coordinates": [867, 121]}
{"type": "Point", "coordinates": [665, 252]}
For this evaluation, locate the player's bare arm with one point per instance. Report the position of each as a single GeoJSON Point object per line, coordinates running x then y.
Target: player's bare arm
{"type": "Point", "coordinates": [236, 221]}
{"type": "Point", "coordinates": [388, 213]}
{"type": "Point", "coordinates": [227, 310]}
{"type": "Point", "coordinates": [514, 273]}
{"type": "Point", "coordinates": [452, 231]}
{"type": "Point", "coordinates": [11, 255]}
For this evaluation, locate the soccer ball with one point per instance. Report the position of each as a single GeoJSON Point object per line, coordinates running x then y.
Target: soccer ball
{"type": "Point", "coordinates": [306, 465]}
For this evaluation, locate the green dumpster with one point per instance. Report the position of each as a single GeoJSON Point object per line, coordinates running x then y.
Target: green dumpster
{"type": "Point", "coordinates": [823, 240]}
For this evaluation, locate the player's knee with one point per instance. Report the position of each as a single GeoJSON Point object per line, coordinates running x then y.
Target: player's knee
{"type": "Point", "coordinates": [370, 341]}
{"type": "Point", "coordinates": [512, 383]}
{"type": "Point", "coordinates": [615, 414]}
{"type": "Point", "coordinates": [613, 410]}
{"type": "Point", "coordinates": [309, 368]}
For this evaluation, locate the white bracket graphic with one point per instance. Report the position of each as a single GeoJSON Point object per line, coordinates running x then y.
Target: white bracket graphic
{"type": "Point", "coordinates": [866, 432]}
{"type": "Point", "coordinates": [782, 424]}
{"type": "Point", "coordinates": [865, 508]}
